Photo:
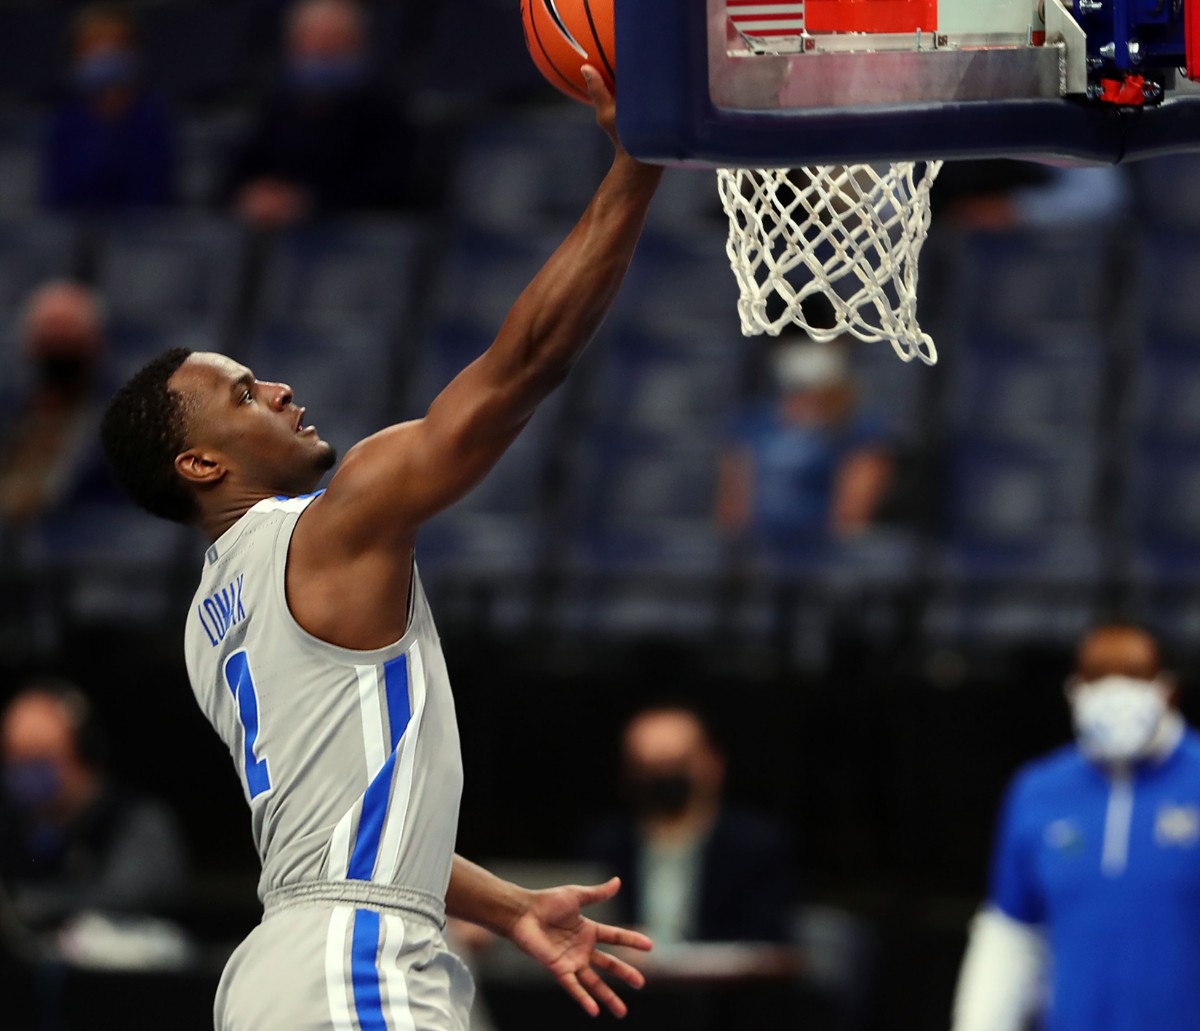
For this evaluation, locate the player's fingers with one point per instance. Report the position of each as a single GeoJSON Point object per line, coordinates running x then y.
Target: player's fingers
{"type": "Point", "coordinates": [610, 935]}
{"type": "Point", "coordinates": [619, 968]}
{"type": "Point", "coordinates": [589, 894]}
{"type": "Point", "coordinates": [594, 983]}
{"type": "Point", "coordinates": [596, 87]}
{"type": "Point", "coordinates": [577, 992]}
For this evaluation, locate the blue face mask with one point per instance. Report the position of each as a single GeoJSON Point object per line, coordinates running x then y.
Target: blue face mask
{"type": "Point", "coordinates": [325, 76]}
{"type": "Point", "coordinates": [32, 784]}
{"type": "Point", "coordinates": [106, 70]}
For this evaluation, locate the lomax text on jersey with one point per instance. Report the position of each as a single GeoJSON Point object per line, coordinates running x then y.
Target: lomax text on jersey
{"type": "Point", "coordinates": [223, 610]}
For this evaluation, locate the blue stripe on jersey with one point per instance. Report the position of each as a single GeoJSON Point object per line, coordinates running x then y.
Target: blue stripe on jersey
{"type": "Point", "coordinates": [370, 823]}
{"type": "Point", "coordinates": [299, 497]}
{"type": "Point", "coordinates": [364, 971]}
{"type": "Point", "coordinates": [237, 676]}
{"type": "Point", "coordinates": [395, 679]}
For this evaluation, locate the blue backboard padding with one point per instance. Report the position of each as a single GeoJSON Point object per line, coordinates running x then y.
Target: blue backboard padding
{"type": "Point", "coordinates": [665, 114]}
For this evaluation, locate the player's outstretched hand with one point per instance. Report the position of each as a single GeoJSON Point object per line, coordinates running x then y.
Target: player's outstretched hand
{"type": "Point", "coordinates": [554, 931]}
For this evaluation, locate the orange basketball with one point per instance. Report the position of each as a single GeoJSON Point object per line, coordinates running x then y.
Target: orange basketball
{"type": "Point", "coordinates": [564, 35]}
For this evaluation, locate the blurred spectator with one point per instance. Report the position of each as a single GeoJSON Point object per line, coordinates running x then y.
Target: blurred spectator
{"type": "Point", "coordinates": [1002, 194]}
{"type": "Point", "coordinates": [48, 452]}
{"type": "Point", "coordinates": [1096, 874]}
{"type": "Point", "coordinates": [330, 141]}
{"type": "Point", "coordinates": [805, 460]}
{"type": "Point", "coordinates": [694, 867]}
{"type": "Point", "coordinates": [76, 847]}
{"type": "Point", "coordinates": [112, 144]}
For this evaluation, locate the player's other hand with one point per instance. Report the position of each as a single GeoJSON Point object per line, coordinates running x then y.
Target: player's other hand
{"type": "Point", "coordinates": [554, 931]}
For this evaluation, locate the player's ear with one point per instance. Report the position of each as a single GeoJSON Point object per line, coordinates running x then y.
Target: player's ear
{"type": "Point", "coordinates": [199, 467]}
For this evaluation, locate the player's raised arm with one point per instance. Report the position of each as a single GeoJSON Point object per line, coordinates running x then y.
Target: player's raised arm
{"type": "Point", "coordinates": [397, 479]}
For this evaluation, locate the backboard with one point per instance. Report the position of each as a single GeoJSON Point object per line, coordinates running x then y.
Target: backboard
{"type": "Point", "coordinates": [772, 83]}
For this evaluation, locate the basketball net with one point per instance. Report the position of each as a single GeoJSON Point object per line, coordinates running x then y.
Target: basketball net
{"type": "Point", "coordinates": [850, 232]}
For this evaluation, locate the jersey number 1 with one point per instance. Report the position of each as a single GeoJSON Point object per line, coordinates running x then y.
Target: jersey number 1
{"type": "Point", "coordinates": [241, 683]}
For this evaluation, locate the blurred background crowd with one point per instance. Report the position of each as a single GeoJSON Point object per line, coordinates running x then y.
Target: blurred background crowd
{"type": "Point", "coordinates": [795, 611]}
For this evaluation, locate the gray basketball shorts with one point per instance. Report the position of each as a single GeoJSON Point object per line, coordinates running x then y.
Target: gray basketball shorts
{"type": "Point", "coordinates": [344, 967]}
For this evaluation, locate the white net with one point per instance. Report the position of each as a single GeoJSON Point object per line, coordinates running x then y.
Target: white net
{"type": "Point", "coordinates": [850, 232]}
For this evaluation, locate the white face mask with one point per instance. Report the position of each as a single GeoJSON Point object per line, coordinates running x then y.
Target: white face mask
{"type": "Point", "coordinates": [1116, 718]}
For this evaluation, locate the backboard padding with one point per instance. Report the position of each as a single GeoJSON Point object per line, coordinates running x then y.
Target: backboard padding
{"type": "Point", "coordinates": [667, 111]}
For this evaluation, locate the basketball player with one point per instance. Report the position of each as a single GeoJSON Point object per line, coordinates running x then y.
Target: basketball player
{"type": "Point", "coordinates": [311, 649]}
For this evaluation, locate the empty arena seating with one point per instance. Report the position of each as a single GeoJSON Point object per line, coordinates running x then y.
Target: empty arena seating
{"type": "Point", "coordinates": [357, 272]}
{"type": "Point", "coordinates": [521, 173]}
{"type": "Point", "coordinates": [32, 250]}
{"type": "Point", "coordinates": [1028, 276]}
{"type": "Point", "coordinates": [171, 271]}
{"type": "Point", "coordinates": [644, 556]}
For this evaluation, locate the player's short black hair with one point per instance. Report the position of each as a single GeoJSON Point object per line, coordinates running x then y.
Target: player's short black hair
{"type": "Point", "coordinates": [143, 430]}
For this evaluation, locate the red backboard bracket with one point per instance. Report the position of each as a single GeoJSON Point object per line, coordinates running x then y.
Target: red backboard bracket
{"type": "Point", "coordinates": [871, 15]}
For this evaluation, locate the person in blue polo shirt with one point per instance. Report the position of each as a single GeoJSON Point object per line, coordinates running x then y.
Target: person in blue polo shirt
{"type": "Point", "coordinates": [1093, 918]}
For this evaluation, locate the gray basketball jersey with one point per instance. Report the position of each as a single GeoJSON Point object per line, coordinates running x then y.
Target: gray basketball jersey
{"type": "Point", "coordinates": [349, 759]}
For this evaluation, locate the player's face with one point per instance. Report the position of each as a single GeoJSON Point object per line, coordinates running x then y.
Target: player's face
{"type": "Point", "coordinates": [251, 426]}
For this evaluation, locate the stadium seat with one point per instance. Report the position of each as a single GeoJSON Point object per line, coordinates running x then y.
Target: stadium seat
{"type": "Point", "coordinates": [1028, 384]}
{"type": "Point", "coordinates": [1165, 190]}
{"type": "Point", "coordinates": [483, 273]}
{"type": "Point", "coordinates": [1163, 557]}
{"type": "Point", "coordinates": [1024, 554]}
{"type": "Point", "coordinates": [899, 393]}
{"type": "Point", "coordinates": [529, 169]}
{"type": "Point", "coordinates": [629, 480]}
{"type": "Point", "coordinates": [449, 349]}
{"type": "Point", "coordinates": [171, 270]}
{"type": "Point", "coordinates": [1020, 493]}
{"type": "Point", "coordinates": [1030, 277]}
{"type": "Point", "coordinates": [1035, 614]}
{"type": "Point", "coordinates": [21, 159]}
{"type": "Point", "coordinates": [1167, 298]}
{"type": "Point", "coordinates": [681, 271]}
{"type": "Point", "coordinates": [32, 250]}
{"type": "Point", "coordinates": [682, 375]}
{"type": "Point", "coordinates": [486, 558]}
{"type": "Point", "coordinates": [1165, 399]}
{"type": "Point", "coordinates": [130, 346]}
{"type": "Point", "coordinates": [109, 562]}
{"type": "Point", "coordinates": [643, 554]}
{"type": "Point", "coordinates": [687, 201]}
{"type": "Point", "coordinates": [1164, 509]}
{"type": "Point", "coordinates": [500, 526]}
{"type": "Point", "coordinates": [337, 273]}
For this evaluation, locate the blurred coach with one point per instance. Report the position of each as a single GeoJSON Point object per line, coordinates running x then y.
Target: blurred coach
{"type": "Point", "coordinates": [1093, 919]}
